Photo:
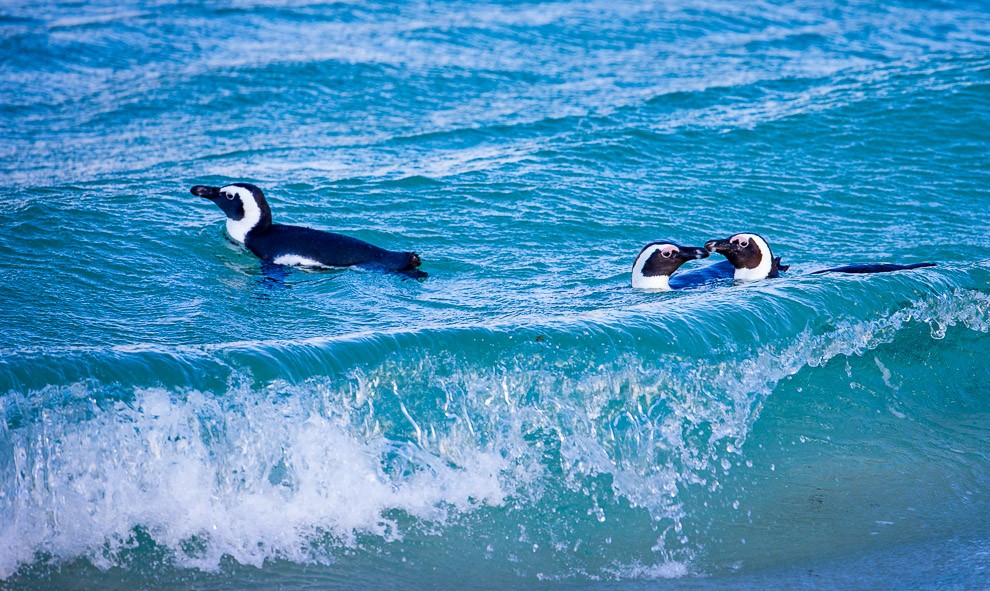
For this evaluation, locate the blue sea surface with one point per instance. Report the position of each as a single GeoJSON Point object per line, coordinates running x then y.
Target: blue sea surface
{"type": "Point", "coordinates": [176, 417]}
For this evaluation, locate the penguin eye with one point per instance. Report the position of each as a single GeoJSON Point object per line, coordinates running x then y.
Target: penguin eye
{"type": "Point", "coordinates": [744, 244]}
{"type": "Point", "coordinates": [229, 196]}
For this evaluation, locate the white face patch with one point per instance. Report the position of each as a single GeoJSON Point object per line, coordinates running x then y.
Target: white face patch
{"type": "Point", "coordinates": [762, 270]}
{"type": "Point", "coordinates": [238, 230]}
{"type": "Point", "coordinates": [657, 282]}
{"type": "Point", "coordinates": [296, 261]}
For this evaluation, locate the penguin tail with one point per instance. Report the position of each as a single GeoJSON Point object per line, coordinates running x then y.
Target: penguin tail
{"type": "Point", "coordinates": [411, 268]}
{"type": "Point", "coordinates": [777, 268]}
{"type": "Point", "coordinates": [414, 261]}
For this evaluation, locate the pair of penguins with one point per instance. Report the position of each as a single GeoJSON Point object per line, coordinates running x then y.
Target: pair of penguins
{"type": "Point", "coordinates": [249, 222]}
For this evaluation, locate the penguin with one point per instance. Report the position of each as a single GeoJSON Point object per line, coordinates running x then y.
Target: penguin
{"type": "Point", "coordinates": [752, 260]}
{"type": "Point", "coordinates": [657, 262]}
{"type": "Point", "coordinates": [249, 222]}
{"type": "Point", "coordinates": [749, 255]}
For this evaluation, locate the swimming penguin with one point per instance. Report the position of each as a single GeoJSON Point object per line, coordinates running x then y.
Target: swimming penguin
{"type": "Point", "coordinates": [749, 255]}
{"type": "Point", "coordinates": [249, 221]}
{"type": "Point", "coordinates": [657, 262]}
{"type": "Point", "coordinates": [752, 259]}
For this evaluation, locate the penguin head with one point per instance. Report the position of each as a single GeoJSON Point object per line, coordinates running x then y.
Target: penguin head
{"type": "Point", "coordinates": [243, 203]}
{"type": "Point", "coordinates": [657, 262]}
{"type": "Point", "coordinates": [749, 255]}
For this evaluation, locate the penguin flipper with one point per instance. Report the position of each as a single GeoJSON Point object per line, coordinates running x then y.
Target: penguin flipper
{"type": "Point", "coordinates": [862, 268]}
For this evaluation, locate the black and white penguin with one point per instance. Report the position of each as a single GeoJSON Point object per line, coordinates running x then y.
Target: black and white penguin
{"type": "Point", "coordinates": [249, 221]}
{"type": "Point", "coordinates": [752, 259]}
{"type": "Point", "coordinates": [749, 255]}
{"type": "Point", "coordinates": [657, 262]}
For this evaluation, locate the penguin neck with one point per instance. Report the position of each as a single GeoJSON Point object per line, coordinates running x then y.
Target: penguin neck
{"type": "Point", "coordinates": [760, 272]}
{"type": "Point", "coordinates": [655, 282]}
{"type": "Point", "coordinates": [257, 218]}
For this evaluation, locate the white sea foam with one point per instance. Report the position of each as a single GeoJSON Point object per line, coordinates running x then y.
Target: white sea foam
{"type": "Point", "coordinates": [252, 479]}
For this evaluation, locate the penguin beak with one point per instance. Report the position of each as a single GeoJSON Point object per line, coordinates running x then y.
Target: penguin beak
{"type": "Point", "coordinates": [690, 253]}
{"type": "Point", "coordinates": [719, 246]}
{"type": "Point", "coordinates": [205, 192]}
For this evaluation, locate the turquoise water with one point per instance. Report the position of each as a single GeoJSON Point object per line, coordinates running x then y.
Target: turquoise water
{"type": "Point", "coordinates": [173, 418]}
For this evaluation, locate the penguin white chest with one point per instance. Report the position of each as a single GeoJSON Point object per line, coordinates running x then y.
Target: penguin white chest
{"type": "Point", "coordinates": [296, 260]}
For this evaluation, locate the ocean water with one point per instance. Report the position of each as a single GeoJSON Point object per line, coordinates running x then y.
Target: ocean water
{"type": "Point", "coordinates": [174, 418]}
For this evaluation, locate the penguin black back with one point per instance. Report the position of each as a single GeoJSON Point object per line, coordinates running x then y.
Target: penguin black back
{"type": "Point", "coordinates": [249, 221]}
{"type": "Point", "coordinates": [873, 268]}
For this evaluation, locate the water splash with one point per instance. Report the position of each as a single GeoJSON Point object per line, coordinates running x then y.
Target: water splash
{"type": "Point", "coordinates": [262, 474]}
